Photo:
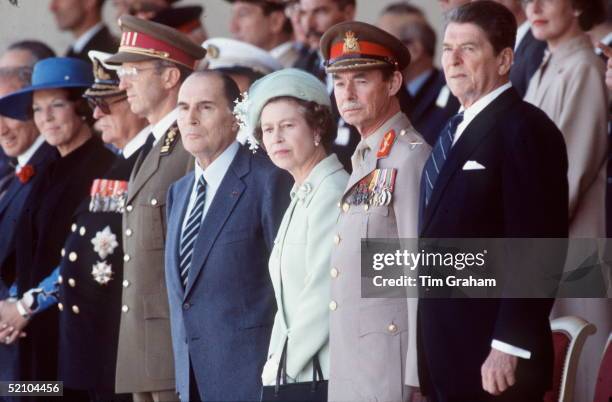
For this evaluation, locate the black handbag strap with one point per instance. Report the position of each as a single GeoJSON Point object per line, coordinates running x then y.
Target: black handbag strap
{"type": "Point", "coordinates": [281, 373]}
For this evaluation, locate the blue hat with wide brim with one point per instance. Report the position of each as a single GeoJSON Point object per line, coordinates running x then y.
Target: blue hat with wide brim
{"type": "Point", "coordinates": [51, 73]}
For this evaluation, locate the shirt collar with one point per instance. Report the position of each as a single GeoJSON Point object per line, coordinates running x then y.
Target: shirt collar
{"type": "Point", "coordinates": [416, 84]}
{"type": "Point", "coordinates": [215, 172]}
{"type": "Point", "coordinates": [471, 112]}
{"type": "Point", "coordinates": [25, 157]}
{"type": "Point", "coordinates": [521, 32]}
{"type": "Point", "coordinates": [569, 48]}
{"type": "Point", "coordinates": [163, 125]}
{"type": "Point", "coordinates": [135, 143]}
{"type": "Point", "coordinates": [82, 40]}
{"type": "Point", "coordinates": [281, 49]}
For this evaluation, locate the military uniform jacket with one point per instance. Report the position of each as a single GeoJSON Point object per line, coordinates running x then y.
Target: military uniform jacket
{"type": "Point", "coordinates": [90, 279]}
{"type": "Point", "coordinates": [373, 341]}
{"type": "Point", "coordinates": [144, 357]}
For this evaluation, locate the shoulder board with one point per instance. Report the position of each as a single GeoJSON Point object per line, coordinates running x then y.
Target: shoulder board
{"type": "Point", "coordinates": [170, 139]}
{"type": "Point", "coordinates": [411, 142]}
{"type": "Point", "coordinates": [386, 145]}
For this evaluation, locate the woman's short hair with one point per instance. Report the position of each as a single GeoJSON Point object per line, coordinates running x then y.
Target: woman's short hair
{"type": "Point", "coordinates": [81, 108]}
{"type": "Point", "coordinates": [592, 12]}
{"type": "Point", "coordinates": [318, 117]}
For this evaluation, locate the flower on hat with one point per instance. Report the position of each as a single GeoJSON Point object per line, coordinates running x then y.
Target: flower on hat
{"type": "Point", "coordinates": [241, 112]}
{"type": "Point", "coordinates": [25, 173]}
{"type": "Point", "coordinates": [105, 242]}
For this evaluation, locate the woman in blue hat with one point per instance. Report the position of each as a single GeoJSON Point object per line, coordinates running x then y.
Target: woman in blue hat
{"type": "Point", "coordinates": [55, 102]}
{"type": "Point", "coordinates": [290, 112]}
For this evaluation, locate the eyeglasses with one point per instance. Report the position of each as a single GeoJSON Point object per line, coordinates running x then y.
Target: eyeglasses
{"type": "Point", "coordinates": [131, 72]}
{"type": "Point", "coordinates": [103, 104]}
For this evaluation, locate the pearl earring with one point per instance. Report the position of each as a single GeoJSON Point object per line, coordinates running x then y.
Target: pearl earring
{"type": "Point", "coordinates": [317, 141]}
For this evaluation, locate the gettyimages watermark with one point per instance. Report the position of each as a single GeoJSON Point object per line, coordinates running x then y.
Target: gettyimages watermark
{"type": "Point", "coordinates": [486, 268]}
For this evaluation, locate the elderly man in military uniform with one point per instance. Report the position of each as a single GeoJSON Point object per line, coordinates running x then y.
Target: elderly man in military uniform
{"type": "Point", "coordinates": [372, 340]}
{"type": "Point", "coordinates": [155, 60]}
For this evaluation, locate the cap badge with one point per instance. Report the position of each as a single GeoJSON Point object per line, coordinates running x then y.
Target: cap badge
{"type": "Point", "coordinates": [99, 71]}
{"type": "Point", "coordinates": [212, 52]}
{"type": "Point", "coordinates": [351, 43]}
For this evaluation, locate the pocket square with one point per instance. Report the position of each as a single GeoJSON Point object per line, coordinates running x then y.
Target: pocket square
{"type": "Point", "coordinates": [473, 165]}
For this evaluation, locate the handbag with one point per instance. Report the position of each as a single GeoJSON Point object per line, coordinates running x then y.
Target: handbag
{"type": "Point", "coordinates": [311, 391]}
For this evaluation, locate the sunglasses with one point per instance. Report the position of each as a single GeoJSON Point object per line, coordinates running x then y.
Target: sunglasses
{"type": "Point", "coordinates": [103, 104]}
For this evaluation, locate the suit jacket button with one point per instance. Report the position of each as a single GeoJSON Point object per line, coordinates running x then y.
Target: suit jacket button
{"type": "Point", "coordinates": [75, 309]}
{"type": "Point", "coordinates": [126, 257]}
{"type": "Point", "coordinates": [72, 256]}
{"type": "Point", "coordinates": [125, 308]}
{"type": "Point", "coordinates": [60, 306]}
{"type": "Point", "coordinates": [154, 201]}
{"type": "Point", "coordinates": [337, 239]}
{"type": "Point", "coordinates": [129, 208]}
{"type": "Point", "coordinates": [333, 306]}
{"type": "Point", "coordinates": [128, 232]}
{"type": "Point", "coordinates": [334, 273]}
{"type": "Point", "coordinates": [392, 328]}
{"type": "Point", "coordinates": [126, 283]}
{"type": "Point", "coordinates": [186, 306]}
{"type": "Point", "coordinates": [71, 282]}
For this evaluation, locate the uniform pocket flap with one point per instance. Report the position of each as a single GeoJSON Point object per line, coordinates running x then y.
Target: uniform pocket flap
{"type": "Point", "coordinates": [390, 319]}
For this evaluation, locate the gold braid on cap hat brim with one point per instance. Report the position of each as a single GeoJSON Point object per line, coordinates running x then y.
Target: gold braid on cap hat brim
{"type": "Point", "coordinates": [358, 64]}
{"type": "Point", "coordinates": [151, 53]}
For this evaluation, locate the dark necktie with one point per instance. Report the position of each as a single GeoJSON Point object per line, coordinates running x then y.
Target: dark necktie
{"type": "Point", "coordinates": [144, 151]}
{"type": "Point", "coordinates": [439, 154]}
{"type": "Point", "coordinates": [191, 230]}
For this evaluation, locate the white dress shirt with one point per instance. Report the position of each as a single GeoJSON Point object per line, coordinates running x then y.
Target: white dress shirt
{"type": "Point", "coordinates": [82, 40]}
{"type": "Point", "coordinates": [281, 49]}
{"type": "Point", "coordinates": [213, 175]}
{"type": "Point", "coordinates": [25, 157]}
{"type": "Point", "coordinates": [163, 125]}
{"type": "Point", "coordinates": [470, 114]}
{"type": "Point", "coordinates": [135, 143]}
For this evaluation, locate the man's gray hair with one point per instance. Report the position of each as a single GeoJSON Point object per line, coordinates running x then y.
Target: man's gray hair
{"type": "Point", "coordinates": [21, 75]}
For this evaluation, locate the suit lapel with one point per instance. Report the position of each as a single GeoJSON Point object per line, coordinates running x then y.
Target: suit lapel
{"type": "Point", "coordinates": [183, 194]}
{"type": "Point", "coordinates": [428, 94]}
{"type": "Point", "coordinates": [473, 135]}
{"type": "Point", "coordinates": [148, 167]}
{"type": "Point", "coordinates": [226, 198]}
{"type": "Point", "coordinates": [13, 189]}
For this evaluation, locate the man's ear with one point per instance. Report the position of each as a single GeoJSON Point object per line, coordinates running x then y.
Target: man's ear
{"type": "Point", "coordinates": [171, 77]}
{"type": "Point", "coordinates": [276, 21]}
{"type": "Point", "coordinates": [504, 60]}
{"type": "Point", "coordinates": [395, 83]}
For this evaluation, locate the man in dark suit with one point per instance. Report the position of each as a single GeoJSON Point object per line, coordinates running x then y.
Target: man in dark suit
{"type": "Point", "coordinates": [20, 140]}
{"type": "Point", "coordinates": [222, 221]}
{"type": "Point", "coordinates": [83, 18]}
{"type": "Point", "coordinates": [528, 51]}
{"type": "Point", "coordinates": [499, 171]}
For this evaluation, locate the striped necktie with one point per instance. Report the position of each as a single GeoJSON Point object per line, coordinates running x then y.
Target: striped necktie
{"type": "Point", "coordinates": [439, 154]}
{"type": "Point", "coordinates": [191, 230]}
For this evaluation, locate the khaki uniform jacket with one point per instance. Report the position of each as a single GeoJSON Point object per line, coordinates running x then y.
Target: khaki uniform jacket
{"type": "Point", "coordinates": [144, 358]}
{"type": "Point", "coordinates": [373, 340]}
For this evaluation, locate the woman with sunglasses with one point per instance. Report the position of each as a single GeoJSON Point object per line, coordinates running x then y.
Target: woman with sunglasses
{"type": "Point", "coordinates": [62, 116]}
{"type": "Point", "coordinates": [570, 88]}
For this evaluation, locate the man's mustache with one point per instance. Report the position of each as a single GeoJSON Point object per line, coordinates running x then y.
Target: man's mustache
{"type": "Point", "coordinates": [350, 105]}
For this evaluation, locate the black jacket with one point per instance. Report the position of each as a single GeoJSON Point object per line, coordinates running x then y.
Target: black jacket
{"type": "Point", "coordinates": [521, 193]}
{"type": "Point", "coordinates": [527, 60]}
{"type": "Point", "coordinates": [41, 232]}
{"type": "Point", "coordinates": [103, 41]}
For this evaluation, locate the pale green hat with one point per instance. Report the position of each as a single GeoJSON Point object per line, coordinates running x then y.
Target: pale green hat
{"type": "Point", "coordinates": [287, 82]}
